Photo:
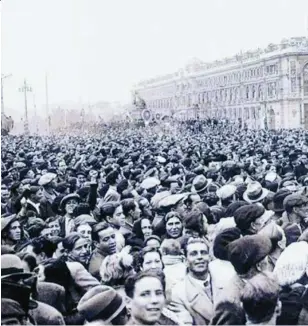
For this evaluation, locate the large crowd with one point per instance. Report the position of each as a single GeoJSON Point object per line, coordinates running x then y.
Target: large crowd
{"type": "Point", "coordinates": [191, 223]}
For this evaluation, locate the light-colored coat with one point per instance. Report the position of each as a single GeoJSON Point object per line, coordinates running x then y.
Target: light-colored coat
{"type": "Point", "coordinates": [190, 303]}
{"type": "Point", "coordinates": [82, 281]}
{"type": "Point", "coordinates": [222, 273]}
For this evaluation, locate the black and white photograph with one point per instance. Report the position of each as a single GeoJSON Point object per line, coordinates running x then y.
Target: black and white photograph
{"type": "Point", "coordinates": [154, 162]}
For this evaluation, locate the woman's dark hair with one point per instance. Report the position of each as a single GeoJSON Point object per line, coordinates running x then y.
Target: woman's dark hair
{"type": "Point", "coordinates": [142, 253]}
{"type": "Point", "coordinates": [132, 280]}
{"type": "Point", "coordinates": [29, 259]}
{"type": "Point", "coordinates": [152, 237]}
{"type": "Point", "coordinates": [128, 205]}
{"type": "Point", "coordinates": [70, 240]}
{"type": "Point", "coordinates": [137, 229]}
{"type": "Point", "coordinates": [194, 221]}
{"type": "Point", "coordinates": [171, 215]}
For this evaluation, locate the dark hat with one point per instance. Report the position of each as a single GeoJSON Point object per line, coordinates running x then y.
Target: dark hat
{"type": "Point", "coordinates": [222, 241]}
{"type": "Point", "coordinates": [294, 200]}
{"type": "Point", "coordinates": [228, 313]}
{"type": "Point", "coordinates": [278, 199]}
{"type": "Point", "coordinates": [292, 232]}
{"type": "Point", "coordinates": [68, 197]}
{"type": "Point", "coordinates": [247, 251]}
{"type": "Point", "coordinates": [101, 302]}
{"type": "Point", "coordinates": [245, 215]}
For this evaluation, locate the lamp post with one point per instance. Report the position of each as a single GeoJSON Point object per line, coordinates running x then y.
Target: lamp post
{"type": "Point", "coordinates": [2, 101]}
{"type": "Point", "coordinates": [26, 88]}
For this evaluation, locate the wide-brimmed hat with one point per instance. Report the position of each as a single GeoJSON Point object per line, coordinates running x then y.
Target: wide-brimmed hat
{"type": "Point", "coordinates": [172, 200]}
{"type": "Point", "coordinates": [84, 219]}
{"type": "Point", "coordinates": [278, 199]}
{"type": "Point", "coordinates": [46, 178]}
{"type": "Point", "coordinates": [158, 197]}
{"type": "Point", "coordinates": [255, 192]}
{"type": "Point", "coordinates": [200, 183]}
{"type": "Point", "coordinates": [149, 183]}
{"type": "Point", "coordinates": [226, 191]}
{"type": "Point", "coordinates": [68, 197]}
{"type": "Point", "coordinates": [101, 300]}
{"type": "Point", "coordinates": [6, 221]}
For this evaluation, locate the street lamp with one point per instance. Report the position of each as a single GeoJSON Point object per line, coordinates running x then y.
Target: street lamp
{"type": "Point", "coordinates": [2, 101]}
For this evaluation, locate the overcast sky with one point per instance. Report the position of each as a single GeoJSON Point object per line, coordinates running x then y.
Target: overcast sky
{"type": "Point", "coordinates": [97, 49]}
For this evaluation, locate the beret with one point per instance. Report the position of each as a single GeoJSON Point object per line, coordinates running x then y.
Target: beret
{"type": "Point", "coordinates": [222, 240]}
{"type": "Point", "coordinates": [247, 251]}
{"type": "Point", "coordinates": [245, 215]}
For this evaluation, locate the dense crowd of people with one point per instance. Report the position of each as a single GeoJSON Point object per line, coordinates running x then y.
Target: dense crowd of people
{"type": "Point", "coordinates": [191, 223]}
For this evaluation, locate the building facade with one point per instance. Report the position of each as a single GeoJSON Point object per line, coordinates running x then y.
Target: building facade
{"type": "Point", "coordinates": [262, 87]}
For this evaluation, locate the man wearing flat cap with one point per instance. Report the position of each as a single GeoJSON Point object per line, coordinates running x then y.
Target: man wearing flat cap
{"type": "Point", "coordinates": [296, 210]}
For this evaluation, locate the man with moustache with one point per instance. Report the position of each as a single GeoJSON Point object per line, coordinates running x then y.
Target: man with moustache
{"type": "Point", "coordinates": [192, 298]}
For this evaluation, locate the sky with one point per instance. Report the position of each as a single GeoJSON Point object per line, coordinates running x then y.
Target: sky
{"type": "Point", "coordinates": [96, 50]}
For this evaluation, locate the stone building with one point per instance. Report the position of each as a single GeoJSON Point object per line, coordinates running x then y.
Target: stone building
{"type": "Point", "coordinates": [264, 86]}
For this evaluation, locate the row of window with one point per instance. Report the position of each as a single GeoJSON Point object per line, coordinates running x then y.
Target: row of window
{"type": "Point", "coordinates": [236, 77]}
{"type": "Point", "coordinates": [232, 95]}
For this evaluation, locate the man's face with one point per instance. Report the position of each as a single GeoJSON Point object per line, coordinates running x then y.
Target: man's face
{"type": "Point", "coordinates": [5, 194]}
{"type": "Point", "coordinates": [198, 258]}
{"type": "Point", "coordinates": [81, 178]}
{"type": "Point", "coordinates": [118, 216]}
{"type": "Point", "coordinates": [107, 240]}
{"type": "Point", "coordinates": [54, 227]}
{"type": "Point", "coordinates": [14, 232]}
{"type": "Point", "coordinates": [81, 250]}
{"type": "Point", "coordinates": [59, 251]}
{"type": "Point", "coordinates": [70, 205]}
{"type": "Point", "coordinates": [148, 301]}
{"type": "Point", "coordinates": [62, 166]}
{"type": "Point", "coordinates": [85, 230]}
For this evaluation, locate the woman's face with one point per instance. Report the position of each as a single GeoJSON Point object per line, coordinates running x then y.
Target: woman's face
{"type": "Point", "coordinates": [81, 250]}
{"type": "Point", "coordinates": [85, 230]}
{"type": "Point", "coordinates": [70, 205]}
{"type": "Point", "coordinates": [54, 227]}
{"type": "Point", "coordinates": [174, 227]}
{"type": "Point", "coordinates": [146, 228]}
{"type": "Point", "coordinates": [14, 232]}
{"type": "Point", "coordinates": [118, 216]}
{"type": "Point", "coordinates": [151, 260]}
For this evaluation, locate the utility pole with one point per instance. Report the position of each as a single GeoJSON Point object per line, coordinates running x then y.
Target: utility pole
{"type": "Point", "coordinates": [26, 88]}
{"type": "Point", "coordinates": [47, 104]}
{"type": "Point", "coordinates": [2, 101]}
{"type": "Point", "coordinates": [35, 115]}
